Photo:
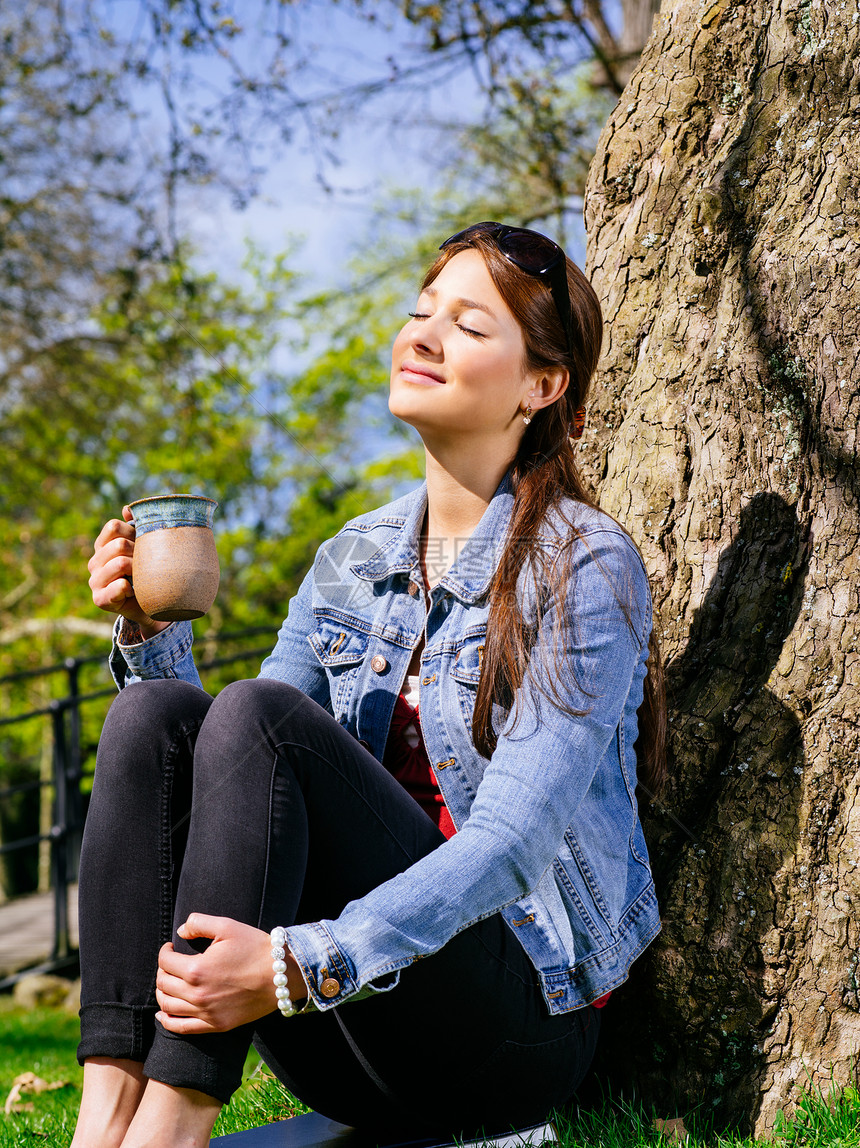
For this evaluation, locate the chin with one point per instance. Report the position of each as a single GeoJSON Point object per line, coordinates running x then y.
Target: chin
{"type": "Point", "coordinates": [401, 407]}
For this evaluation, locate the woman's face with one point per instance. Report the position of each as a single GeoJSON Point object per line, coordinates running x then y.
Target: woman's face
{"type": "Point", "coordinates": [457, 367]}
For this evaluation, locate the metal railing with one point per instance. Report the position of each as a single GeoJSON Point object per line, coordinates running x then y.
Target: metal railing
{"type": "Point", "coordinates": [68, 760]}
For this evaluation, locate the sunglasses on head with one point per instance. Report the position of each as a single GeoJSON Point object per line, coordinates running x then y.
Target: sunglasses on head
{"type": "Point", "coordinates": [533, 253]}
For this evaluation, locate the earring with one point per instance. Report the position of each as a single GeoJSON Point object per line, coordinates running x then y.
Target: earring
{"type": "Point", "coordinates": [527, 415]}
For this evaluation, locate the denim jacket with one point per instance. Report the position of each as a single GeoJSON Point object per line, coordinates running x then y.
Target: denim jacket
{"type": "Point", "coordinates": [548, 827]}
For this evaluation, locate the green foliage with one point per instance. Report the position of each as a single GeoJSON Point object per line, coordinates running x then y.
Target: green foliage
{"type": "Point", "coordinates": [41, 1041]}
{"type": "Point", "coordinates": [261, 1100]}
{"type": "Point", "coordinates": [135, 375]}
{"type": "Point", "coordinates": [158, 393]}
{"type": "Point", "coordinates": [821, 1119]}
{"type": "Point", "coordinates": [529, 159]}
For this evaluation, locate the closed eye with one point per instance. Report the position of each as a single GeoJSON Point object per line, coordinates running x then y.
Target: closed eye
{"type": "Point", "coordinates": [470, 331]}
{"type": "Point", "coordinates": [460, 326]}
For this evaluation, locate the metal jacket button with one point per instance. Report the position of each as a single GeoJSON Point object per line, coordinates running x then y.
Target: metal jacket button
{"type": "Point", "coordinates": [330, 987]}
{"type": "Point", "coordinates": [378, 664]}
{"type": "Point", "coordinates": [412, 588]}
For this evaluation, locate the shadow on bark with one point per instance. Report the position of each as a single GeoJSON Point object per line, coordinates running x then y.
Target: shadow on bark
{"type": "Point", "coordinates": [686, 1030]}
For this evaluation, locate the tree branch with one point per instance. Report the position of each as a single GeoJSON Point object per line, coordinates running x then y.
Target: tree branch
{"type": "Point", "coordinates": [20, 591]}
{"type": "Point", "coordinates": [45, 626]}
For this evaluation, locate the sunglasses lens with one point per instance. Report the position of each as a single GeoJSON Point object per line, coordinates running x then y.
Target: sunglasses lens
{"type": "Point", "coordinates": [530, 251]}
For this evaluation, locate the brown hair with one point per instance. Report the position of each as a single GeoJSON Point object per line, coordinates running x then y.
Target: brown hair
{"type": "Point", "coordinates": [544, 474]}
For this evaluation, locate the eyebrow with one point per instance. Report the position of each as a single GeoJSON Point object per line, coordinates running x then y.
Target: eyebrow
{"type": "Point", "coordinates": [466, 304]}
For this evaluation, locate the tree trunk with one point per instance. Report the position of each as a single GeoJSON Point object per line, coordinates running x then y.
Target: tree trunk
{"type": "Point", "coordinates": [723, 220]}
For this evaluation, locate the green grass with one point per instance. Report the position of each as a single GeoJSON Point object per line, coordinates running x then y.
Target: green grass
{"type": "Point", "coordinates": [43, 1041]}
{"type": "Point", "coordinates": [821, 1119]}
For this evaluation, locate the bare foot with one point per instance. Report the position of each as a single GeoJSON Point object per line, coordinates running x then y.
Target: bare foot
{"type": "Point", "coordinates": [169, 1117]}
{"type": "Point", "coordinates": [112, 1092]}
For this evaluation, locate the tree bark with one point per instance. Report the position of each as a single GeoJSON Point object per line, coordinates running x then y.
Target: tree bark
{"type": "Point", "coordinates": [723, 220]}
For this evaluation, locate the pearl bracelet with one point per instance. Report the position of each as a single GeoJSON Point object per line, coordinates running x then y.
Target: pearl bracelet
{"type": "Point", "coordinates": [278, 938]}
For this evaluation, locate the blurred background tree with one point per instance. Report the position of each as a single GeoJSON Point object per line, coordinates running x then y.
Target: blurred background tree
{"type": "Point", "coordinates": [124, 369]}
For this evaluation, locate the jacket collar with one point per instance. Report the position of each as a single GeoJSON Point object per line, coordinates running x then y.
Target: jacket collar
{"type": "Point", "coordinates": [476, 561]}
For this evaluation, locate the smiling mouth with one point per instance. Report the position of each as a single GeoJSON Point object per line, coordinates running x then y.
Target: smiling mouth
{"type": "Point", "coordinates": [420, 374]}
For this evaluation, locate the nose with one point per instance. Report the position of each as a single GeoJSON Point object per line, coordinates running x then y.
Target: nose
{"type": "Point", "coordinates": [426, 338]}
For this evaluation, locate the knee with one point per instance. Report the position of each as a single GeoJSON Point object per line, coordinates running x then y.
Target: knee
{"type": "Point", "coordinates": [143, 709]}
{"type": "Point", "coordinates": [252, 701]}
{"type": "Point", "coordinates": [256, 708]}
{"type": "Point", "coordinates": [148, 729]}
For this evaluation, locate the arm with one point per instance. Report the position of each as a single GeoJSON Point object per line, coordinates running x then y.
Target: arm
{"type": "Point", "coordinates": [168, 654]}
{"type": "Point", "coordinates": [530, 791]}
{"type": "Point", "coordinates": [292, 660]}
{"type": "Point", "coordinates": [142, 647]}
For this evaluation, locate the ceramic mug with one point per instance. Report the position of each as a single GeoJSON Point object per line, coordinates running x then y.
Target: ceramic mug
{"type": "Point", "coordinates": [175, 569]}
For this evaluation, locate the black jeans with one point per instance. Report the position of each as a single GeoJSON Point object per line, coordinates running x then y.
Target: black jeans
{"type": "Point", "coordinates": [259, 806]}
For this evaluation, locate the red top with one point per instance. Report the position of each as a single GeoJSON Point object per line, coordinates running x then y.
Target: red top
{"type": "Point", "coordinates": [410, 765]}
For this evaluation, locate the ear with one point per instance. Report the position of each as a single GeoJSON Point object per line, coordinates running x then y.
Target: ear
{"type": "Point", "coordinates": [547, 388]}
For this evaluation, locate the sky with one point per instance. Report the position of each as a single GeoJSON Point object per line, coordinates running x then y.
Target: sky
{"type": "Point", "coordinates": [391, 142]}
{"type": "Point", "coordinates": [329, 202]}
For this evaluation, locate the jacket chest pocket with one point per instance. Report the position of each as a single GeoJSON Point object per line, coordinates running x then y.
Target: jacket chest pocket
{"type": "Point", "coordinates": [466, 667]}
{"type": "Point", "coordinates": [341, 650]}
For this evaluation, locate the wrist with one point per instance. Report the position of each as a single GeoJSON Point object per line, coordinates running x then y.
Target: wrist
{"type": "Point", "coordinates": [134, 631]}
{"type": "Point", "coordinates": [296, 980]}
{"type": "Point", "coordinates": [150, 628]}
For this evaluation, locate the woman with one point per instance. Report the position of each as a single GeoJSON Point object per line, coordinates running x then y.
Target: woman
{"type": "Point", "coordinates": [456, 885]}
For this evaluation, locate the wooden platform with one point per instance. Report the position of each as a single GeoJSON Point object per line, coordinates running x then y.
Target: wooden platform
{"type": "Point", "coordinates": [27, 930]}
{"type": "Point", "coordinates": [315, 1131]}
{"type": "Point", "coordinates": [310, 1131]}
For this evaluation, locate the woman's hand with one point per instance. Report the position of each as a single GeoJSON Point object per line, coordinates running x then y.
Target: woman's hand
{"type": "Point", "coordinates": [110, 574]}
{"type": "Point", "coordinates": [227, 985]}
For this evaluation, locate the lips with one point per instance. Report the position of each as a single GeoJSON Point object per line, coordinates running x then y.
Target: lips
{"type": "Point", "coordinates": [419, 373]}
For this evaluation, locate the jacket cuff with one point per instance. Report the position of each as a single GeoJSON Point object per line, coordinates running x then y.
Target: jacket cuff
{"type": "Point", "coordinates": [328, 973]}
{"type": "Point", "coordinates": [134, 658]}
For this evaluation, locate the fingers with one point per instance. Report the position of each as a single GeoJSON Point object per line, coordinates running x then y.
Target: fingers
{"type": "Point", "coordinates": [176, 1005]}
{"type": "Point", "coordinates": [184, 1003]}
{"type": "Point", "coordinates": [184, 1008]}
{"type": "Point", "coordinates": [111, 565]}
{"type": "Point", "coordinates": [178, 998]}
{"type": "Point", "coordinates": [205, 925]}
{"type": "Point", "coordinates": [110, 576]}
{"type": "Point", "coordinates": [111, 569]}
{"type": "Point", "coordinates": [173, 963]}
{"type": "Point", "coordinates": [113, 560]}
{"type": "Point", "coordinates": [227, 985]}
{"type": "Point", "coordinates": [185, 1025]}
{"type": "Point", "coordinates": [114, 529]}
